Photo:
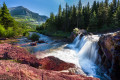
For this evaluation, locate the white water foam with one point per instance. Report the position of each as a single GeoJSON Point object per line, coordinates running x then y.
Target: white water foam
{"type": "Point", "coordinates": [82, 52]}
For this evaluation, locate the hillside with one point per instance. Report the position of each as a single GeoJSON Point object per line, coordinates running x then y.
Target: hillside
{"type": "Point", "coordinates": [22, 14]}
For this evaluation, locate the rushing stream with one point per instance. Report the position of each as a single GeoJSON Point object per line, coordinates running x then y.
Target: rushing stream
{"type": "Point", "coordinates": [83, 52]}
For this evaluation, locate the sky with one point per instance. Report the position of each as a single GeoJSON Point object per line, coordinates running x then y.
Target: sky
{"type": "Point", "coordinates": [43, 7]}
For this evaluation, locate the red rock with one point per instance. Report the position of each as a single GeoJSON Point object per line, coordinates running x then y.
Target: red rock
{"type": "Point", "coordinates": [110, 54]}
{"type": "Point", "coordinates": [20, 55]}
{"type": "Point", "coordinates": [52, 63]}
{"type": "Point", "coordinates": [14, 71]}
{"type": "Point", "coordinates": [8, 51]}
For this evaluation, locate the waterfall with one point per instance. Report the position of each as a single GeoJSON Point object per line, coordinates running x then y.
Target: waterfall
{"type": "Point", "coordinates": [86, 48]}
{"type": "Point", "coordinates": [83, 52]}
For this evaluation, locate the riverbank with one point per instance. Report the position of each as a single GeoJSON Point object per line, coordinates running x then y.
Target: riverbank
{"type": "Point", "coordinates": [16, 63]}
{"type": "Point", "coordinates": [59, 55]}
{"type": "Point", "coordinates": [59, 34]}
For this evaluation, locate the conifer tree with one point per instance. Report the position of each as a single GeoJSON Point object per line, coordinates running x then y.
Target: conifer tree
{"type": "Point", "coordinates": [94, 7]}
{"type": "Point", "coordinates": [117, 17]}
{"type": "Point", "coordinates": [114, 5]}
{"type": "Point", "coordinates": [93, 21]}
{"type": "Point", "coordinates": [106, 3]}
{"type": "Point", "coordinates": [6, 18]}
{"type": "Point", "coordinates": [59, 18]}
{"type": "Point", "coordinates": [73, 18]}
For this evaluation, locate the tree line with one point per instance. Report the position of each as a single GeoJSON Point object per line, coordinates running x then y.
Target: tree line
{"type": "Point", "coordinates": [100, 16]}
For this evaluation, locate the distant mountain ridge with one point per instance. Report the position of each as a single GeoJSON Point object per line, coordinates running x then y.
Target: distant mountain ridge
{"type": "Point", "coordinates": [24, 13]}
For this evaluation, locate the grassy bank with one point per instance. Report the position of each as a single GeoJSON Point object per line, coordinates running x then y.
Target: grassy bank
{"type": "Point", "coordinates": [59, 34]}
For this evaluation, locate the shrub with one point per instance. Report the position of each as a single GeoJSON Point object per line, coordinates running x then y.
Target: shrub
{"type": "Point", "coordinates": [2, 31]}
{"type": "Point", "coordinates": [76, 30]}
{"type": "Point", "coordinates": [10, 32]}
{"type": "Point", "coordinates": [34, 37]}
{"type": "Point", "coordinates": [26, 34]}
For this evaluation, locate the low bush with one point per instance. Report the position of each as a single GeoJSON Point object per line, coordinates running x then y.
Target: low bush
{"type": "Point", "coordinates": [9, 32]}
{"type": "Point", "coordinates": [2, 31]}
{"type": "Point", "coordinates": [34, 37]}
{"type": "Point", "coordinates": [76, 30]}
{"type": "Point", "coordinates": [26, 34]}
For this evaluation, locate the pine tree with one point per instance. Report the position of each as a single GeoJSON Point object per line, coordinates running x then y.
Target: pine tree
{"type": "Point", "coordinates": [59, 21]}
{"type": "Point", "coordinates": [60, 12]}
{"type": "Point", "coordinates": [114, 5]}
{"type": "Point", "coordinates": [64, 20]}
{"type": "Point", "coordinates": [118, 3]}
{"type": "Point", "coordinates": [93, 21]}
{"type": "Point", "coordinates": [106, 3]}
{"type": "Point", "coordinates": [73, 18]}
{"type": "Point", "coordinates": [51, 23]}
{"type": "Point", "coordinates": [66, 17]}
{"type": "Point", "coordinates": [86, 14]}
{"type": "Point", "coordinates": [52, 17]}
{"type": "Point", "coordinates": [80, 22]}
{"type": "Point", "coordinates": [94, 7]}
{"type": "Point", "coordinates": [117, 17]}
{"type": "Point", "coordinates": [6, 18]}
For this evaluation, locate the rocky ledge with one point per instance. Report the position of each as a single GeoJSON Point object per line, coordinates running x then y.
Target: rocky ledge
{"type": "Point", "coordinates": [15, 71]}
{"type": "Point", "coordinates": [17, 64]}
{"type": "Point", "coordinates": [52, 63]}
{"type": "Point", "coordinates": [110, 54]}
{"type": "Point", "coordinates": [8, 51]}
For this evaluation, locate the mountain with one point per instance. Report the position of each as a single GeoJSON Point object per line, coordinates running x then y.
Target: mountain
{"type": "Point", "coordinates": [25, 15]}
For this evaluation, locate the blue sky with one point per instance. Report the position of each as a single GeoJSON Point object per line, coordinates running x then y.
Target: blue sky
{"type": "Point", "coordinates": [43, 7]}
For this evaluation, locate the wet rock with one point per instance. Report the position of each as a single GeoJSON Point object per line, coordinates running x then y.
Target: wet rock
{"type": "Point", "coordinates": [73, 36]}
{"type": "Point", "coordinates": [33, 44]}
{"type": "Point", "coordinates": [110, 54]}
{"type": "Point", "coordinates": [15, 71]}
{"type": "Point", "coordinates": [52, 63]}
{"type": "Point", "coordinates": [18, 54]}
{"type": "Point", "coordinates": [82, 32]}
{"type": "Point", "coordinates": [41, 41]}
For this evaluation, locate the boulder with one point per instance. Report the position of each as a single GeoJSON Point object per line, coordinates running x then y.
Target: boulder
{"type": "Point", "coordinates": [52, 63]}
{"type": "Point", "coordinates": [18, 54]}
{"type": "Point", "coordinates": [110, 54]}
{"type": "Point", "coordinates": [82, 31]}
{"type": "Point", "coordinates": [8, 51]}
{"type": "Point", "coordinates": [75, 32]}
{"type": "Point", "coordinates": [14, 71]}
{"type": "Point", "coordinates": [41, 41]}
{"type": "Point", "coordinates": [73, 36]}
{"type": "Point", "coordinates": [33, 44]}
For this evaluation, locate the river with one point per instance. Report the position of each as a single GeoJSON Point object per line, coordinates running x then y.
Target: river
{"type": "Point", "coordinates": [83, 52]}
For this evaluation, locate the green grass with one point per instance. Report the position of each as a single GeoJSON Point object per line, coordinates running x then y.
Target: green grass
{"type": "Point", "coordinates": [60, 34]}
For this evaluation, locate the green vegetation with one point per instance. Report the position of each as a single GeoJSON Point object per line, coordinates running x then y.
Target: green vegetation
{"type": "Point", "coordinates": [35, 37]}
{"type": "Point", "coordinates": [100, 17]}
{"type": "Point", "coordinates": [76, 31]}
{"type": "Point", "coordinates": [60, 34]}
{"type": "Point", "coordinates": [9, 27]}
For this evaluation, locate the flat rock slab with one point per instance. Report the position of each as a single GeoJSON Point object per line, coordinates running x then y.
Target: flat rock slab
{"type": "Point", "coordinates": [16, 71]}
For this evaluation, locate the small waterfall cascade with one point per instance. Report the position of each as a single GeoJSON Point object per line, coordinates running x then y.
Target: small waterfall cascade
{"type": "Point", "coordinates": [86, 48]}
{"type": "Point", "coordinates": [83, 52]}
